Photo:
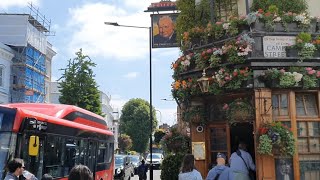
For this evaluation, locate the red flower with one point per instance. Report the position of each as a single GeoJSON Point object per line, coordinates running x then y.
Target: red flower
{"type": "Point", "coordinates": [263, 130]}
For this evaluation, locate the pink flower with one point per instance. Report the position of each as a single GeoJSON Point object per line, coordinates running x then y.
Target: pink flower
{"type": "Point", "coordinates": [308, 68]}
{"type": "Point", "coordinates": [227, 78]}
{"type": "Point", "coordinates": [311, 72]}
{"type": "Point", "coordinates": [218, 23]}
{"type": "Point", "coordinates": [282, 71]}
{"type": "Point", "coordinates": [318, 74]}
{"type": "Point", "coordinates": [225, 107]}
{"type": "Point", "coordinates": [209, 51]}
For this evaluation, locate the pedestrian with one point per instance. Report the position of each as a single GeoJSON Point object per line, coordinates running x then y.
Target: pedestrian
{"type": "Point", "coordinates": [80, 172]}
{"type": "Point", "coordinates": [220, 171]}
{"type": "Point", "coordinates": [188, 170]}
{"type": "Point", "coordinates": [142, 170]}
{"type": "Point", "coordinates": [47, 177]}
{"type": "Point", "coordinates": [26, 175]}
{"type": "Point", "coordinates": [241, 163]}
{"type": "Point", "coordinates": [15, 168]}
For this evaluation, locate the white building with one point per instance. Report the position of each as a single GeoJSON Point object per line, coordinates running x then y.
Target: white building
{"type": "Point", "coordinates": [6, 55]}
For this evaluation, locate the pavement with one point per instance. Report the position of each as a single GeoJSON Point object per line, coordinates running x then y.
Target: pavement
{"type": "Point", "coordinates": [156, 175]}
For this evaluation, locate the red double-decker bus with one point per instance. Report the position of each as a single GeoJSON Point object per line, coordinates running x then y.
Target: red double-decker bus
{"type": "Point", "coordinates": [52, 138]}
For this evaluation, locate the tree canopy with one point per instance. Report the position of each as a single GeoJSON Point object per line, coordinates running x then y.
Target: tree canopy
{"type": "Point", "coordinates": [158, 134]}
{"type": "Point", "coordinates": [125, 142]}
{"type": "Point", "coordinates": [135, 122]}
{"type": "Point", "coordinates": [78, 86]}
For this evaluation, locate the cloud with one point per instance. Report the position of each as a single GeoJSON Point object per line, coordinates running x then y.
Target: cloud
{"type": "Point", "coordinates": [97, 39]}
{"type": "Point", "coordinates": [167, 115]}
{"type": "Point", "coordinates": [5, 4]}
{"type": "Point", "coordinates": [131, 75]}
{"type": "Point", "coordinates": [117, 102]}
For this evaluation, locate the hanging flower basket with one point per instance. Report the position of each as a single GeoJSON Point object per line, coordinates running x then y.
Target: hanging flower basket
{"type": "Point", "coordinates": [194, 114]}
{"type": "Point", "coordinates": [276, 138]}
{"type": "Point", "coordinates": [240, 110]}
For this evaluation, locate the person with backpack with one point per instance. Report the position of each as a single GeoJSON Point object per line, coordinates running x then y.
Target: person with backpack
{"type": "Point", "coordinates": [188, 170]}
{"type": "Point", "coordinates": [142, 171]}
{"type": "Point", "coordinates": [241, 163]}
{"type": "Point", "coordinates": [220, 171]}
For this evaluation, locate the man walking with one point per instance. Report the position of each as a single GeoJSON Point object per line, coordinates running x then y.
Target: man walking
{"type": "Point", "coordinates": [221, 171]}
{"type": "Point", "coordinates": [241, 162]}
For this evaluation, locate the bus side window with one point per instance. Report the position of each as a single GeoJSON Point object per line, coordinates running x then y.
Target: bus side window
{"type": "Point", "coordinates": [71, 155]}
{"type": "Point", "coordinates": [54, 155]}
{"type": "Point", "coordinates": [102, 152]}
{"type": "Point", "coordinates": [83, 151]}
{"type": "Point", "coordinates": [110, 152]}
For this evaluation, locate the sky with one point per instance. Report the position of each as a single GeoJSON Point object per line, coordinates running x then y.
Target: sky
{"type": "Point", "coordinates": [121, 54]}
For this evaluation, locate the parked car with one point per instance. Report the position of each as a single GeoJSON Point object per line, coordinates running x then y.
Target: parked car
{"type": "Point", "coordinates": [123, 167]}
{"type": "Point", "coordinates": [135, 162]}
{"type": "Point", "coordinates": [157, 159]}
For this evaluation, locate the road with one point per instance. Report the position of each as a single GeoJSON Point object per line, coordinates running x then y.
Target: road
{"type": "Point", "coordinates": [156, 175]}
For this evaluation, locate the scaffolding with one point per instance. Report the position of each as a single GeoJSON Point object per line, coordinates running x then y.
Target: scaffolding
{"type": "Point", "coordinates": [29, 63]}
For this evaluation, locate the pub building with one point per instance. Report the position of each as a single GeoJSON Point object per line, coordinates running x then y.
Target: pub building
{"type": "Point", "coordinates": [253, 78]}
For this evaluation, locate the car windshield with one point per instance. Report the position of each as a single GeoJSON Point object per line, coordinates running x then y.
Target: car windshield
{"type": "Point", "coordinates": [119, 160]}
{"type": "Point", "coordinates": [155, 156]}
{"type": "Point", "coordinates": [134, 158]}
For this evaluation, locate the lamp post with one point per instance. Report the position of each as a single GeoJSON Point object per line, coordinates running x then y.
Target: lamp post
{"type": "Point", "coordinates": [150, 87]}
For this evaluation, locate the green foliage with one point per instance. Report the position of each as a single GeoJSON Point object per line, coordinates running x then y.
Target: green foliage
{"type": "Point", "coordinates": [265, 145]}
{"type": "Point", "coordinates": [78, 86]}
{"type": "Point", "coordinates": [276, 138]}
{"type": "Point", "coordinates": [170, 166]}
{"type": "Point", "coordinates": [135, 122]}
{"type": "Point", "coordinates": [303, 37]}
{"type": "Point", "coordinates": [158, 135]}
{"type": "Point", "coordinates": [125, 143]}
{"type": "Point", "coordinates": [196, 114]}
{"type": "Point", "coordinates": [175, 142]}
{"type": "Point", "coordinates": [273, 9]}
{"type": "Point", "coordinates": [295, 6]}
{"type": "Point", "coordinates": [239, 110]}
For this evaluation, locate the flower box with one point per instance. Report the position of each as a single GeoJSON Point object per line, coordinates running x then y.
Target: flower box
{"type": "Point", "coordinates": [259, 26]}
{"type": "Point", "coordinates": [317, 53]}
{"type": "Point", "coordinates": [290, 27]}
{"type": "Point", "coordinates": [291, 52]}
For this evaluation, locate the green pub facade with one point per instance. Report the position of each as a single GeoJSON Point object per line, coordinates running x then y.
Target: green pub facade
{"type": "Point", "coordinates": [254, 78]}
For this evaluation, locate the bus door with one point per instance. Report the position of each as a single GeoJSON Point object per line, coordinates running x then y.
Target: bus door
{"type": "Point", "coordinates": [92, 155]}
{"type": "Point", "coordinates": [33, 163]}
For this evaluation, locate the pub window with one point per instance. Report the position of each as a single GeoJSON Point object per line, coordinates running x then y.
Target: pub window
{"type": "Point", "coordinates": [280, 104]}
{"type": "Point", "coordinates": [306, 105]}
{"type": "Point", "coordinates": [226, 8]}
{"type": "Point", "coordinates": [218, 142]}
{"type": "Point", "coordinates": [308, 132]}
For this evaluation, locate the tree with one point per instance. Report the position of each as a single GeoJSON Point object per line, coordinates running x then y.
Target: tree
{"type": "Point", "coordinates": [158, 134]}
{"type": "Point", "coordinates": [135, 121]}
{"type": "Point", "coordinates": [125, 142]}
{"type": "Point", "coordinates": [78, 86]}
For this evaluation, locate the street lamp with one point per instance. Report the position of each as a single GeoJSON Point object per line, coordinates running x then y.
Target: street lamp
{"type": "Point", "coordinates": [150, 80]}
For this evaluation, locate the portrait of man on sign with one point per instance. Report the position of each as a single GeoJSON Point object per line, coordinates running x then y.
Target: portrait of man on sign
{"type": "Point", "coordinates": [163, 30]}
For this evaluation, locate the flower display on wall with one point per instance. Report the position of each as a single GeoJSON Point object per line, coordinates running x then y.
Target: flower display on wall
{"type": "Point", "coordinates": [276, 138]}
{"type": "Point", "coordinates": [294, 77]}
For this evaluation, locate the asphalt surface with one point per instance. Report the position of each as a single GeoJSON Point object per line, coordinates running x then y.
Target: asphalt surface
{"type": "Point", "coordinates": [156, 175]}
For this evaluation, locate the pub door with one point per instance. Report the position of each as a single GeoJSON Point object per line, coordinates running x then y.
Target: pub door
{"type": "Point", "coordinates": [242, 132]}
